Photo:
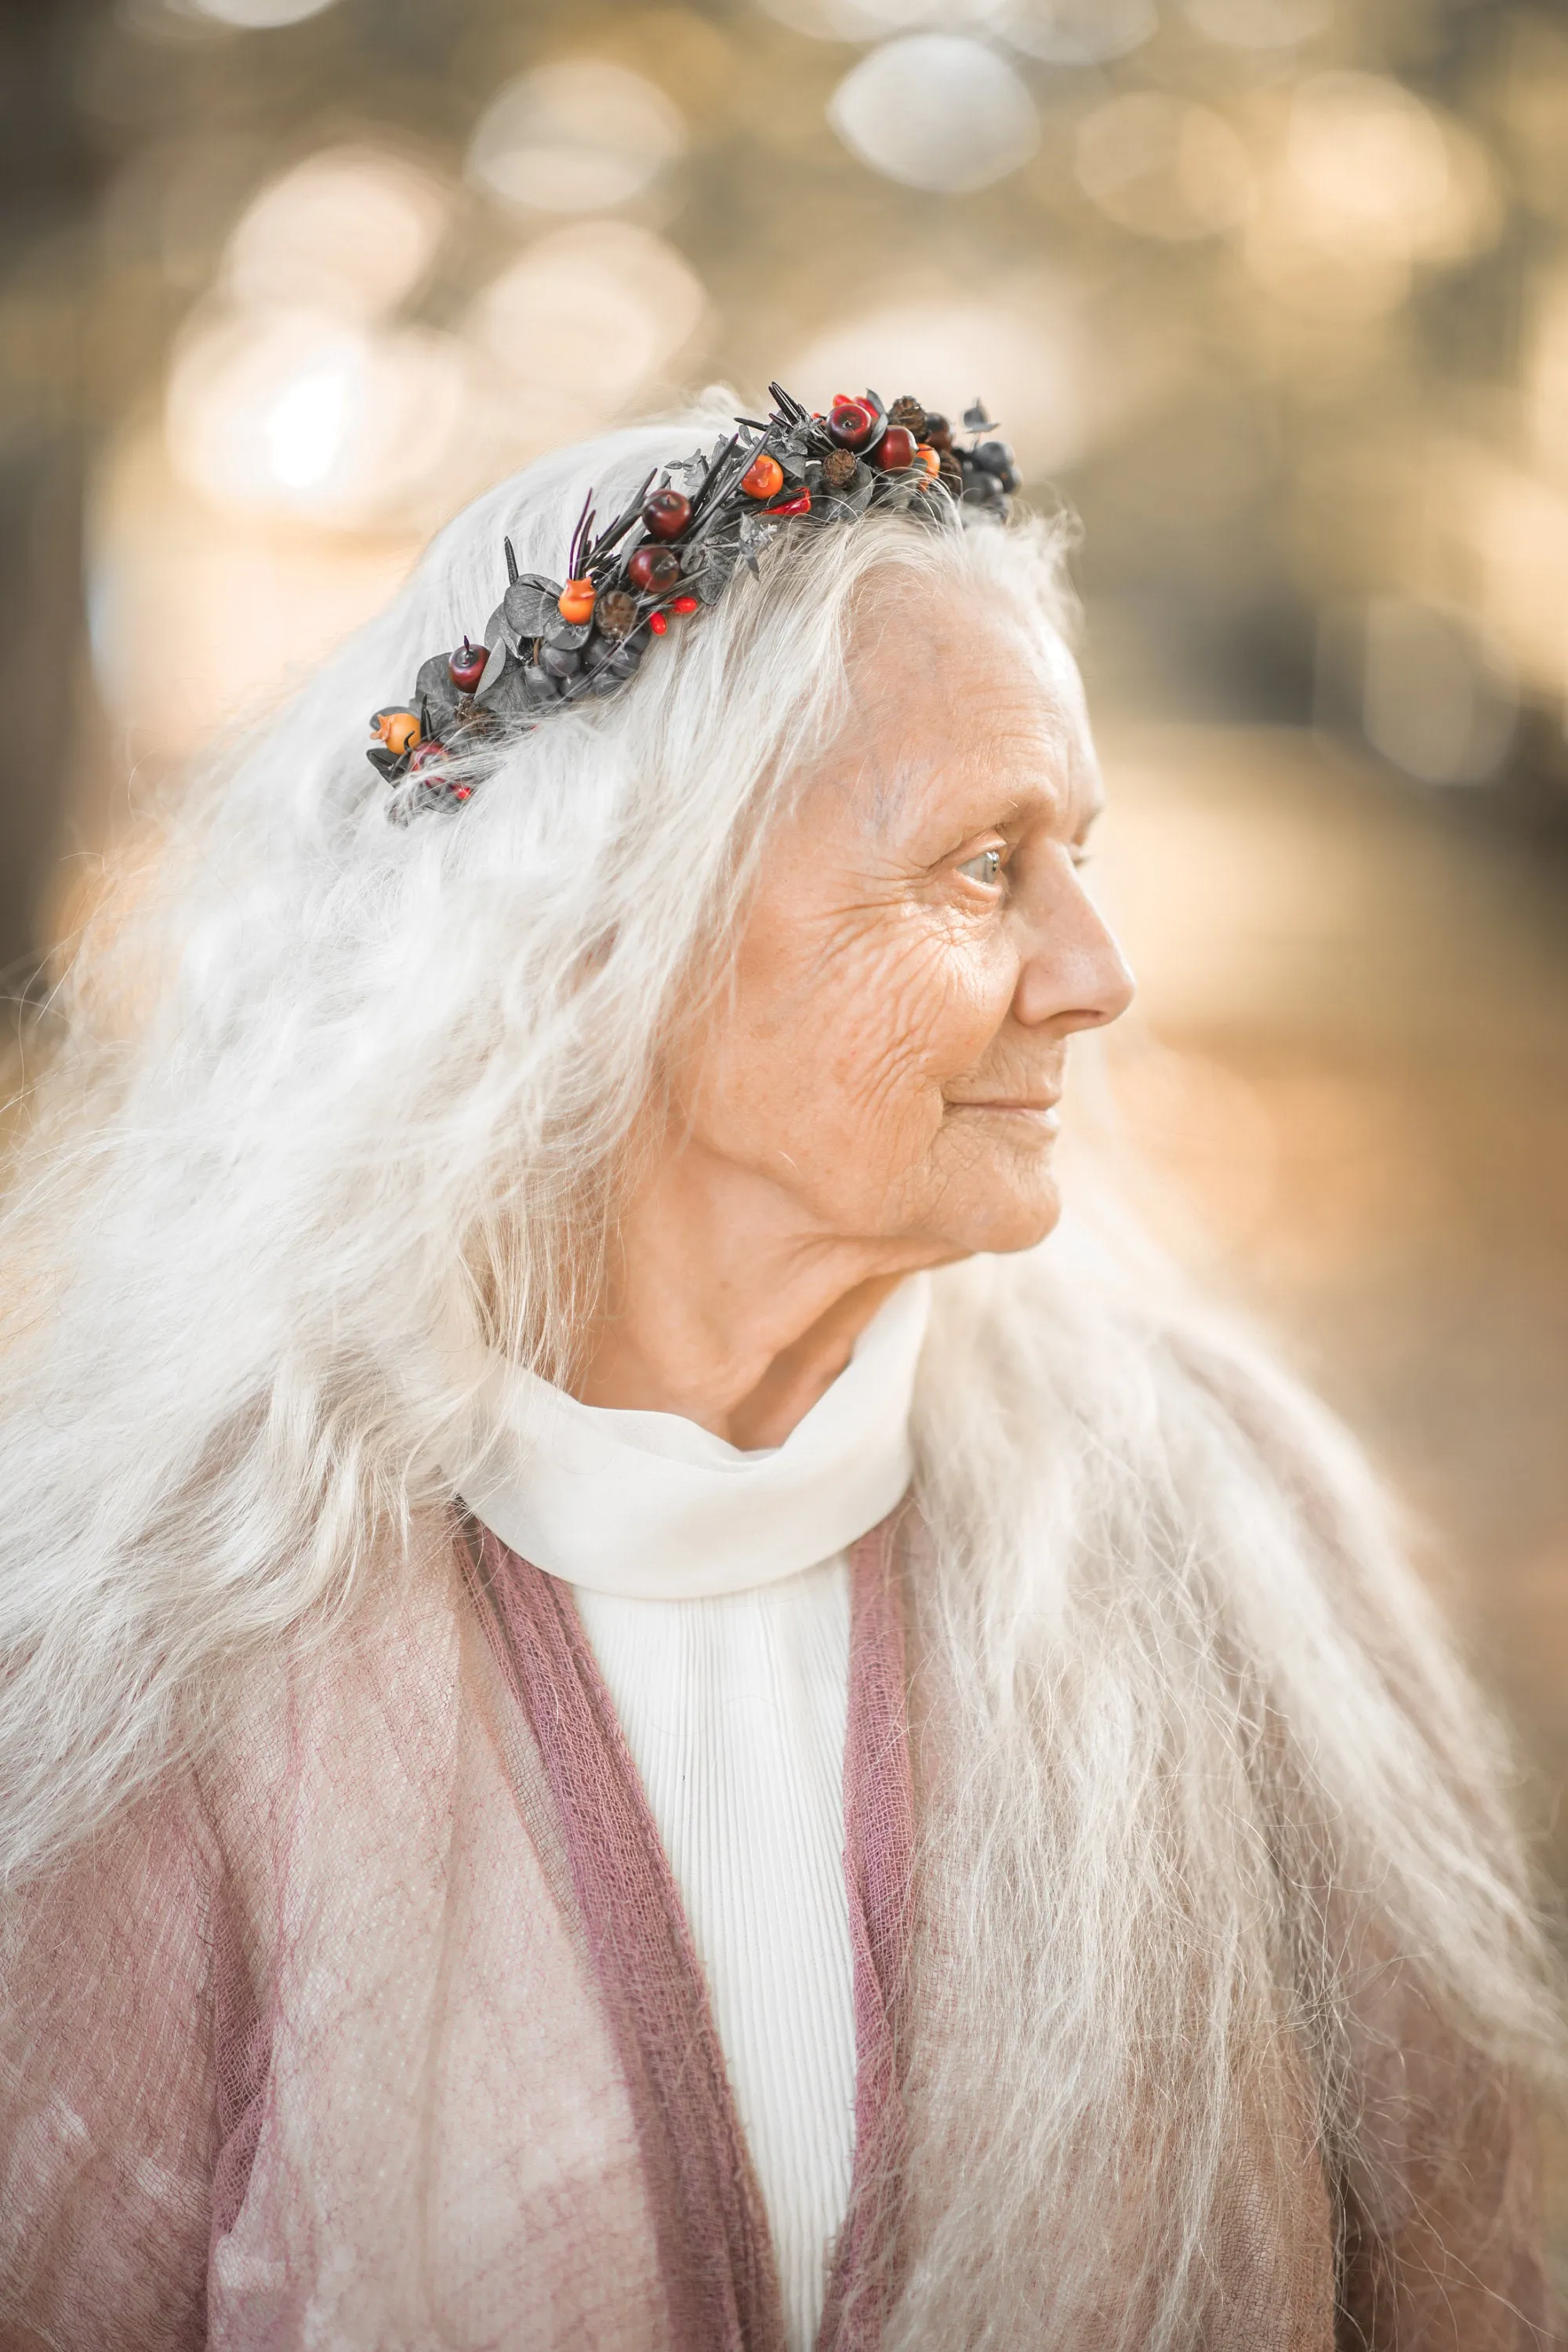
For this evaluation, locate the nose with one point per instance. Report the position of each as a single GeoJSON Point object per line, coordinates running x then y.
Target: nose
{"type": "Point", "coordinates": [1073, 975]}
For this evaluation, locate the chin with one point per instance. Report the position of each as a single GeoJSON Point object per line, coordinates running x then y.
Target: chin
{"type": "Point", "coordinates": [1013, 1221]}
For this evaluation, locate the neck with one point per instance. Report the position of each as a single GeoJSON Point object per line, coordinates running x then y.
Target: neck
{"type": "Point", "coordinates": [727, 1308]}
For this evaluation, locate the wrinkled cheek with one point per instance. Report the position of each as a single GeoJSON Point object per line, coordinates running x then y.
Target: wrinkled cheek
{"type": "Point", "coordinates": [914, 1024]}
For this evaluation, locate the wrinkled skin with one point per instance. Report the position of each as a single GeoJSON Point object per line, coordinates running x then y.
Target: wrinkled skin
{"type": "Point", "coordinates": [877, 1091]}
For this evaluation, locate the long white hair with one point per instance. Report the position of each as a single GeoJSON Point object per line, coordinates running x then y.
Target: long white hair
{"type": "Point", "coordinates": [343, 1103]}
{"type": "Point", "coordinates": [342, 1106]}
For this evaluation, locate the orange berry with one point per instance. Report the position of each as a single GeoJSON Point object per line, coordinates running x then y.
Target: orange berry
{"type": "Point", "coordinates": [398, 729]}
{"type": "Point", "coordinates": [926, 455]}
{"type": "Point", "coordinates": [577, 599]}
{"type": "Point", "coordinates": [762, 477]}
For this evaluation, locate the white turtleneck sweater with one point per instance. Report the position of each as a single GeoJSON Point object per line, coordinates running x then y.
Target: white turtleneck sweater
{"type": "Point", "coordinates": [714, 1587]}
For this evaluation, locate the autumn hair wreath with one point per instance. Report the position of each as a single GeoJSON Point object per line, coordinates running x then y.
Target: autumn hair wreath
{"type": "Point", "coordinates": [674, 547]}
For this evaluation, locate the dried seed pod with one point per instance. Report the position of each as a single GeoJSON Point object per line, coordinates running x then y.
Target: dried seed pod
{"type": "Point", "coordinates": [839, 468]}
{"type": "Point", "coordinates": [560, 661]}
{"type": "Point", "coordinates": [617, 613]}
{"type": "Point", "coordinates": [909, 413]}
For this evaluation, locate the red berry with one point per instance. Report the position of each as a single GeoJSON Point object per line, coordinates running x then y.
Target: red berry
{"type": "Point", "coordinates": [895, 450]}
{"type": "Point", "coordinates": [667, 514]}
{"type": "Point", "coordinates": [428, 755]}
{"type": "Point", "coordinates": [467, 666]}
{"type": "Point", "coordinates": [851, 422]}
{"type": "Point", "coordinates": [653, 570]}
{"type": "Point", "coordinates": [658, 624]}
{"type": "Point", "coordinates": [797, 503]}
{"type": "Point", "coordinates": [462, 791]}
{"type": "Point", "coordinates": [684, 604]}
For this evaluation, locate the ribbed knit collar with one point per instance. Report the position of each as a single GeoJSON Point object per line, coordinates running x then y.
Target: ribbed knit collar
{"type": "Point", "coordinates": [650, 1506]}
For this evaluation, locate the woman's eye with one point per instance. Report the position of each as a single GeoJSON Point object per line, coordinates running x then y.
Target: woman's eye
{"type": "Point", "coordinates": [986, 868]}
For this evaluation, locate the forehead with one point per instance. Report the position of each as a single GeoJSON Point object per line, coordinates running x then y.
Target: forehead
{"type": "Point", "coordinates": [962, 712]}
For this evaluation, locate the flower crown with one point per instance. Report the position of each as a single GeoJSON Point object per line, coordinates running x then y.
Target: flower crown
{"type": "Point", "coordinates": [674, 547]}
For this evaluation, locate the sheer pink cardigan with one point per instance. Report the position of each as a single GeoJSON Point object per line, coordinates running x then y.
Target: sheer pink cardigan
{"type": "Point", "coordinates": [390, 2035]}
{"type": "Point", "coordinates": [398, 2038]}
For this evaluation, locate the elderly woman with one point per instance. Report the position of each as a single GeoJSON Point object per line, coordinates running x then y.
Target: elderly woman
{"type": "Point", "coordinates": [631, 1719]}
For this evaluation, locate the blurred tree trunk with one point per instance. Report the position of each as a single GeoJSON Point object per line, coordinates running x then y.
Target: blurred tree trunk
{"type": "Point", "coordinates": [49, 177]}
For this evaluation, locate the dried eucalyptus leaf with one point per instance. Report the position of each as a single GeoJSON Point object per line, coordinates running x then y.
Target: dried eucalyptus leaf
{"type": "Point", "coordinates": [513, 698]}
{"type": "Point", "coordinates": [434, 687]}
{"type": "Point", "coordinates": [495, 637]}
{"type": "Point", "coordinates": [557, 632]}
{"type": "Point", "coordinates": [527, 603]}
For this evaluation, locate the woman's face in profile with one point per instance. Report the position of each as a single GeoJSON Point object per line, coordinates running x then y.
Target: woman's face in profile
{"type": "Point", "coordinates": [919, 949]}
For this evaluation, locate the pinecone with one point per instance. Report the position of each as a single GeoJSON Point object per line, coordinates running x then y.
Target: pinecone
{"type": "Point", "coordinates": [911, 414]}
{"type": "Point", "coordinates": [616, 614]}
{"type": "Point", "coordinates": [839, 468]}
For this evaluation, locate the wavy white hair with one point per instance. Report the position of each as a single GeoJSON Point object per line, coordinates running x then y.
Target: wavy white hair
{"type": "Point", "coordinates": [342, 1105]}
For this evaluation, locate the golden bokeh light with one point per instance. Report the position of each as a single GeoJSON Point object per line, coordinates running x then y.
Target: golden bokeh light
{"type": "Point", "coordinates": [936, 111]}
{"type": "Point", "coordinates": [349, 230]}
{"type": "Point", "coordinates": [583, 322]}
{"type": "Point", "coordinates": [575, 137]}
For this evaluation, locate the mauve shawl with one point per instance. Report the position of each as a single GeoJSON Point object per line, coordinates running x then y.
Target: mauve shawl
{"type": "Point", "coordinates": [389, 2034]}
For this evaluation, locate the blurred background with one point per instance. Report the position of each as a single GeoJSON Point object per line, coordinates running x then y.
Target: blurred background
{"type": "Point", "coordinates": [1273, 292]}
